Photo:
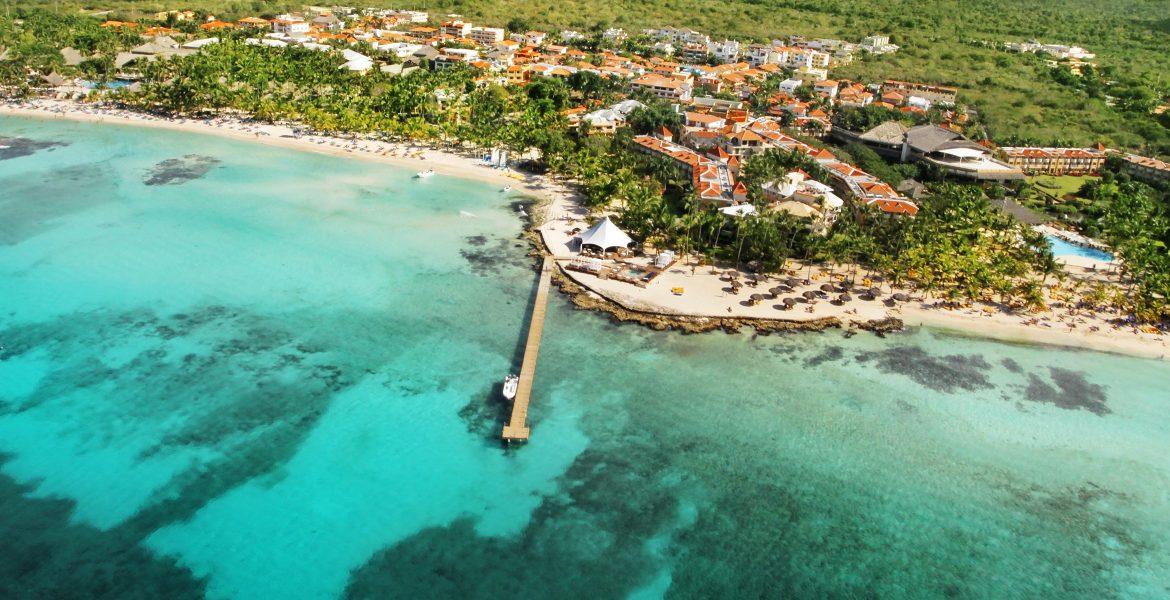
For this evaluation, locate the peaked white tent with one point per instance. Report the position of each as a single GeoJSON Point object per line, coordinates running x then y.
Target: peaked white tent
{"type": "Point", "coordinates": [605, 235]}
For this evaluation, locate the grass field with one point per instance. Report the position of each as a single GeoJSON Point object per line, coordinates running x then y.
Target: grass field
{"type": "Point", "coordinates": [1059, 186]}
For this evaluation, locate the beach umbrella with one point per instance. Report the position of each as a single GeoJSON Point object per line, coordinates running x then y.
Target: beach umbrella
{"type": "Point", "coordinates": [867, 297]}
{"type": "Point", "coordinates": [846, 285]}
{"type": "Point", "coordinates": [756, 298]}
{"type": "Point", "coordinates": [809, 294]}
{"type": "Point", "coordinates": [790, 302]}
{"type": "Point", "coordinates": [792, 281]}
{"type": "Point", "coordinates": [826, 287]}
{"type": "Point", "coordinates": [900, 297]}
{"type": "Point", "coordinates": [875, 292]}
{"type": "Point", "coordinates": [733, 274]}
{"type": "Point", "coordinates": [845, 297]}
{"type": "Point", "coordinates": [776, 291]}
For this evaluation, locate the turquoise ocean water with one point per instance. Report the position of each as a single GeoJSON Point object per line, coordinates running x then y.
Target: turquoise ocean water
{"type": "Point", "coordinates": [235, 371]}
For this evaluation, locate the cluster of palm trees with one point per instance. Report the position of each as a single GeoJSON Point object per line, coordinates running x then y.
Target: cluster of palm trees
{"type": "Point", "coordinates": [1138, 228]}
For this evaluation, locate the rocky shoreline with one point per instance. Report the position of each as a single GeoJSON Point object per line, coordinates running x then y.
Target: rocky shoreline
{"type": "Point", "coordinates": [585, 299]}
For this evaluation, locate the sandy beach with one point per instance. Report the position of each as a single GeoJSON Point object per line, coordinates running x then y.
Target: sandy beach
{"type": "Point", "coordinates": [401, 154]}
{"type": "Point", "coordinates": [705, 292]}
{"type": "Point", "coordinates": [700, 291]}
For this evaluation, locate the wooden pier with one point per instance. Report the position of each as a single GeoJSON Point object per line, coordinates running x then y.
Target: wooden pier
{"type": "Point", "coordinates": [516, 430]}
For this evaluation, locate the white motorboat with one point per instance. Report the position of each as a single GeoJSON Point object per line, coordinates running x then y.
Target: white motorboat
{"type": "Point", "coordinates": [425, 174]}
{"type": "Point", "coordinates": [507, 188]}
{"type": "Point", "coordinates": [511, 382]}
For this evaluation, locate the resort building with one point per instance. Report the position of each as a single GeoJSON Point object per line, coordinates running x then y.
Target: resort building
{"type": "Point", "coordinates": [455, 28]}
{"type": "Point", "coordinates": [674, 89]}
{"type": "Point", "coordinates": [885, 139]}
{"type": "Point", "coordinates": [877, 44]}
{"type": "Point", "coordinates": [726, 51]}
{"type": "Point", "coordinates": [712, 178]}
{"type": "Point", "coordinates": [935, 94]}
{"type": "Point", "coordinates": [694, 53]}
{"type": "Point", "coordinates": [410, 16]}
{"type": "Point", "coordinates": [486, 35]}
{"type": "Point", "coordinates": [607, 120]}
{"type": "Point", "coordinates": [290, 25]}
{"type": "Point", "coordinates": [1055, 161]}
{"type": "Point", "coordinates": [955, 155]}
{"type": "Point", "coordinates": [1150, 170]}
{"type": "Point", "coordinates": [804, 197]}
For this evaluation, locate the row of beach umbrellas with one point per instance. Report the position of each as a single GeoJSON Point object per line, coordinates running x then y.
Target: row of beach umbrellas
{"type": "Point", "coordinates": [789, 284]}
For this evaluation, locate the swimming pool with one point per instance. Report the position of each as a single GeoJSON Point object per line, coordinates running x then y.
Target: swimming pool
{"type": "Point", "coordinates": [113, 85]}
{"type": "Point", "coordinates": [1063, 248]}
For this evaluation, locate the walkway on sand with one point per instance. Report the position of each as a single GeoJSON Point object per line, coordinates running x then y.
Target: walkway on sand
{"type": "Point", "coordinates": [516, 430]}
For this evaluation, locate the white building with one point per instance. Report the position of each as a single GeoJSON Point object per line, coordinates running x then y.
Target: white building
{"type": "Point", "coordinates": [614, 35]}
{"type": "Point", "coordinates": [664, 48]}
{"type": "Point", "coordinates": [726, 51]}
{"type": "Point", "coordinates": [399, 49]}
{"type": "Point", "coordinates": [455, 28]}
{"type": "Point", "coordinates": [789, 86]}
{"type": "Point", "coordinates": [454, 56]}
{"type": "Point", "coordinates": [410, 16]}
{"type": "Point", "coordinates": [289, 25]}
{"type": "Point", "coordinates": [674, 89]}
{"type": "Point", "coordinates": [569, 35]}
{"type": "Point", "coordinates": [486, 35]}
{"type": "Point", "coordinates": [877, 44]}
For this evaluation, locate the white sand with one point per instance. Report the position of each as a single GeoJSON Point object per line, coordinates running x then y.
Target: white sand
{"type": "Point", "coordinates": [411, 156]}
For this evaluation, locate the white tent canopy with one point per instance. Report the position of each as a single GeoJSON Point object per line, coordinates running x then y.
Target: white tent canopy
{"type": "Point", "coordinates": [963, 152]}
{"type": "Point", "coordinates": [739, 210]}
{"type": "Point", "coordinates": [605, 235]}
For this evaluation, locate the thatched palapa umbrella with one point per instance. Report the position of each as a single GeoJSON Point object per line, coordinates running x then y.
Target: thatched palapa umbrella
{"type": "Point", "coordinates": [826, 287]}
{"type": "Point", "coordinates": [875, 292]}
{"type": "Point", "coordinates": [790, 302]}
{"type": "Point", "coordinates": [845, 297]}
{"type": "Point", "coordinates": [756, 298]}
{"type": "Point", "coordinates": [900, 297]}
{"type": "Point", "coordinates": [809, 294]}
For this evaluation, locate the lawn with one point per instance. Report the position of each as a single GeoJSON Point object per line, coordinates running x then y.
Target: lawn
{"type": "Point", "coordinates": [1060, 186]}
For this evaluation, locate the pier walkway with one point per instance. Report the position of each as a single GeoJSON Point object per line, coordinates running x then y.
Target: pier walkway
{"type": "Point", "coordinates": [516, 430]}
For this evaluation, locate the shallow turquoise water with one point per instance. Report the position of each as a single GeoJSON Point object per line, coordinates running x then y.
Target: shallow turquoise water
{"type": "Point", "coordinates": [273, 374]}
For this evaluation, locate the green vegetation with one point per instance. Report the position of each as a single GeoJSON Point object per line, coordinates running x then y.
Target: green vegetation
{"type": "Point", "coordinates": [1138, 227]}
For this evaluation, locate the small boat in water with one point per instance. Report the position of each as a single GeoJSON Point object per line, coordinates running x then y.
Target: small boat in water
{"type": "Point", "coordinates": [511, 382]}
{"type": "Point", "coordinates": [425, 174]}
{"type": "Point", "coordinates": [507, 188]}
